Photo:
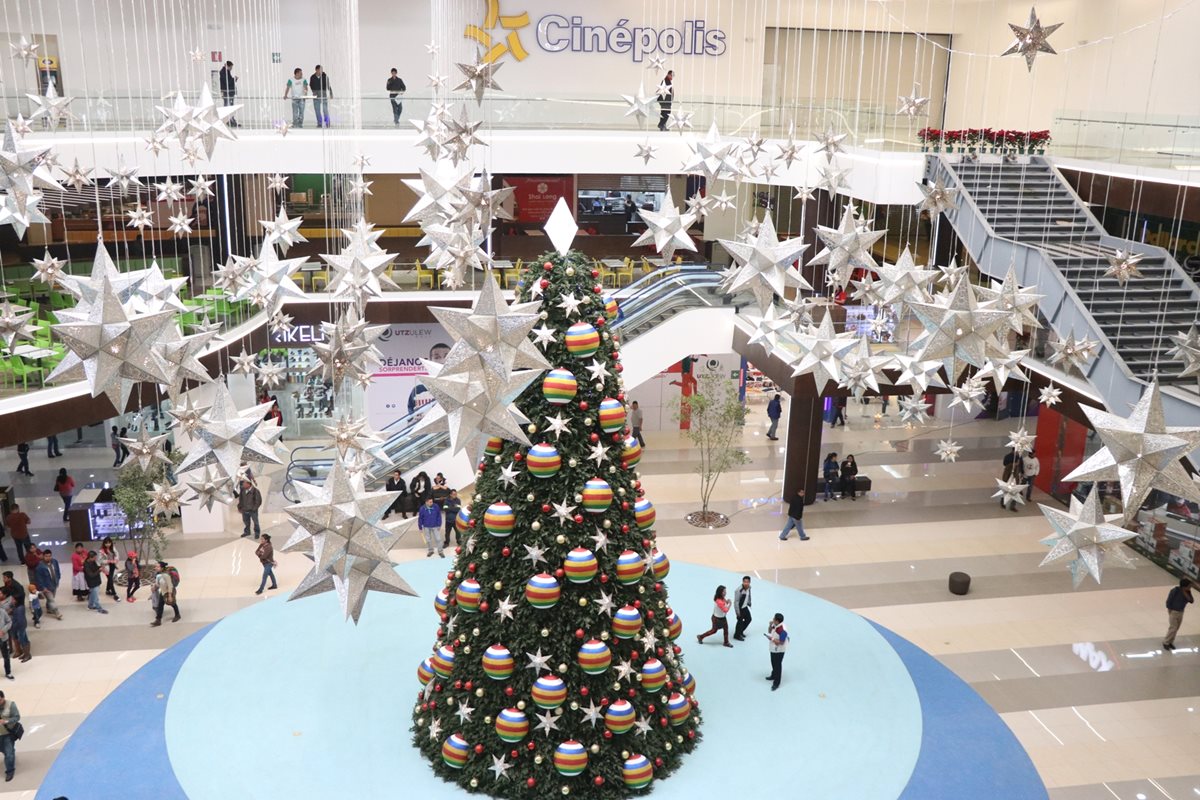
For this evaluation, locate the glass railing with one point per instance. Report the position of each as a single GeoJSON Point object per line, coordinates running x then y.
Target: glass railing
{"type": "Point", "coordinates": [867, 125]}
{"type": "Point", "coordinates": [643, 304]}
{"type": "Point", "coordinates": [1160, 140]}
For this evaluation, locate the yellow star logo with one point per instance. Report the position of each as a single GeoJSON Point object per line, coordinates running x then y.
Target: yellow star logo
{"type": "Point", "coordinates": [494, 50]}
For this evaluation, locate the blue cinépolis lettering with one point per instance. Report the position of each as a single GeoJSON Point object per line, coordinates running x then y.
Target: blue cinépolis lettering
{"type": "Point", "coordinates": [644, 41]}
{"type": "Point", "coordinates": [670, 40]}
{"type": "Point", "coordinates": [595, 38]}
{"type": "Point", "coordinates": [714, 43]}
{"type": "Point", "coordinates": [550, 39]}
{"type": "Point", "coordinates": [619, 38]}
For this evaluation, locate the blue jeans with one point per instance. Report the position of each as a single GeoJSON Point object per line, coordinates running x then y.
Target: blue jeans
{"type": "Point", "coordinates": [828, 488]}
{"type": "Point", "coordinates": [298, 112]}
{"type": "Point", "coordinates": [10, 755]}
{"type": "Point", "coordinates": [66, 498]}
{"type": "Point", "coordinates": [397, 109]}
{"type": "Point", "coordinates": [94, 599]}
{"type": "Point", "coordinates": [774, 425]}
{"type": "Point", "coordinates": [268, 572]}
{"type": "Point", "coordinates": [250, 518]}
{"type": "Point", "coordinates": [20, 628]}
{"type": "Point", "coordinates": [321, 109]}
{"type": "Point", "coordinates": [793, 522]}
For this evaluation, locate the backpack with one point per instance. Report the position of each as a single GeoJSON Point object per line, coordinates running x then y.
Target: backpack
{"type": "Point", "coordinates": [174, 573]}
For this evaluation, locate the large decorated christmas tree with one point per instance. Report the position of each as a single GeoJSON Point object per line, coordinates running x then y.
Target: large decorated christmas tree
{"type": "Point", "coordinates": [554, 671]}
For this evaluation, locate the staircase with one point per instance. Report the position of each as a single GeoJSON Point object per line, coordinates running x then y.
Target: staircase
{"type": "Point", "coordinates": [1027, 216]}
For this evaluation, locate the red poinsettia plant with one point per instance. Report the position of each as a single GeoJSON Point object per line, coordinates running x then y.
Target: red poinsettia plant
{"type": "Point", "coordinates": [1001, 139]}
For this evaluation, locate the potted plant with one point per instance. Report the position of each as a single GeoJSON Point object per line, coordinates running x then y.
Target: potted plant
{"type": "Point", "coordinates": [148, 532]}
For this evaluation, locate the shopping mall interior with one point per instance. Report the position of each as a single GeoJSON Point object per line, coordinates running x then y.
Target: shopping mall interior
{"type": "Point", "coordinates": [495, 392]}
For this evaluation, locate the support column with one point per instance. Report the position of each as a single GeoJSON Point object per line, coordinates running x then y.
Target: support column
{"type": "Point", "coordinates": [802, 459]}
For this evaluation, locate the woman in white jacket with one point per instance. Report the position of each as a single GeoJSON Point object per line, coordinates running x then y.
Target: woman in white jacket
{"type": "Point", "coordinates": [1031, 467]}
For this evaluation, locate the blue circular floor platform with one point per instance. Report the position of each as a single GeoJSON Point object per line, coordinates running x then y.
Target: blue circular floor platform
{"type": "Point", "coordinates": [289, 700]}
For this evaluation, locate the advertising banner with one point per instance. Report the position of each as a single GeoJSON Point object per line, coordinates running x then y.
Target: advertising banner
{"type": "Point", "coordinates": [397, 388]}
{"type": "Point", "coordinates": [535, 198]}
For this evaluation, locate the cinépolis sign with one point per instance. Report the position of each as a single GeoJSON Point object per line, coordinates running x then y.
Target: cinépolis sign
{"type": "Point", "coordinates": [558, 34]}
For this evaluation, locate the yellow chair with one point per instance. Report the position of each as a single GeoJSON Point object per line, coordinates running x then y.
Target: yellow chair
{"type": "Point", "coordinates": [625, 273]}
{"type": "Point", "coordinates": [319, 279]}
{"type": "Point", "coordinates": [607, 276]}
{"type": "Point", "coordinates": [425, 274]}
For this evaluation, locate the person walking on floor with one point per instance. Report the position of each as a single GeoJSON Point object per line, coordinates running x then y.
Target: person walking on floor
{"type": "Point", "coordinates": [297, 90]}
{"type": "Point", "coordinates": [450, 507]}
{"type": "Point", "coordinates": [741, 607]}
{"type": "Point", "coordinates": [666, 96]}
{"type": "Point", "coordinates": [777, 641]}
{"type": "Point", "coordinates": [774, 412]}
{"type": "Point", "coordinates": [721, 608]}
{"type": "Point", "coordinates": [92, 578]}
{"type": "Point", "coordinates": [107, 559]}
{"type": "Point", "coordinates": [78, 585]}
{"type": "Point", "coordinates": [17, 523]}
{"type": "Point", "coordinates": [1030, 467]}
{"type": "Point", "coordinates": [849, 474]}
{"type": "Point", "coordinates": [395, 483]}
{"type": "Point", "coordinates": [46, 578]}
{"type": "Point", "coordinates": [839, 412]}
{"type": "Point", "coordinates": [114, 441]}
{"type": "Point", "coordinates": [123, 434]}
{"type": "Point", "coordinates": [5, 650]}
{"type": "Point", "coordinates": [64, 484]}
{"type": "Point", "coordinates": [162, 594]}
{"type": "Point", "coordinates": [15, 593]}
{"type": "Point", "coordinates": [23, 459]}
{"type": "Point", "coordinates": [35, 605]}
{"type": "Point", "coordinates": [318, 84]}
{"type": "Point", "coordinates": [228, 82]}
{"type": "Point", "coordinates": [133, 576]}
{"type": "Point", "coordinates": [829, 471]}
{"type": "Point", "coordinates": [249, 500]}
{"type": "Point", "coordinates": [1012, 472]}
{"type": "Point", "coordinates": [635, 423]}
{"type": "Point", "coordinates": [795, 514]}
{"type": "Point", "coordinates": [10, 730]}
{"type": "Point", "coordinates": [396, 87]}
{"type": "Point", "coordinates": [1177, 601]}
{"type": "Point", "coordinates": [33, 557]}
{"type": "Point", "coordinates": [52, 450]}
{"type": "Point", "coordinates": [429, 519]}
{"type": "Point", "coordinates": [266, 556]}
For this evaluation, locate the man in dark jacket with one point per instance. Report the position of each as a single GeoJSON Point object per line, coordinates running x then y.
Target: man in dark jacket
{"type": "Point", "coordinates": [450, 507]}
{"type": "Point", "coordinates": [795, 514]}
{"type": "Point", "coordinates": [741, 606]}
{"type": "Point", "coordinates": [266, 557]}
{"type": "Point", "coordinates": [774, 412]}
{"type": "Point", "coordinates": [318, 84]}
{"type": "Point", "coordinates": [666, 95]}
{"type": "Point", "coordinates": [396, 484]}
{"type": "Point", "coordinates": [46, 577]}
{"type": "Point", "coordinates": [249, 500]}
{"type": "Point", "coordinates": [228, 88]}
{"type": "Point", "coordinates": [395, 86]}
{"type": "Point", "coordinates": [1177, 601]}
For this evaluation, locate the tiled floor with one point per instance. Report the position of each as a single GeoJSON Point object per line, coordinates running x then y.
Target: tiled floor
{"type": "Point", "coordinates": [1078, 675]}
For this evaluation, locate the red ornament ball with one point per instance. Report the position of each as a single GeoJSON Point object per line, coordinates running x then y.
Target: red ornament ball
{"type": "Point", "coordinates": [558, 573]}
{"type": "Point", "coordinates": [624, 529]}
{"type": "Point", "coordinates": [603, 579]}
{"type": "Point", "coordinates": [620, 395]}
{"type": "Point", "coordinates": [608, 734]}
{"type": "Point", "coordinates": [658, 762]}
{"type": "Point", "coordinates": [632, 693]}
{"type": "Point", "coordinates": [545, 284]}
{"type": "Point", "coordinates": [545, 508]}
{"type": "Point", "coordinates": [650, 708]}
{"type": "Point", "coordinates": [676, 649]}
{"type": "Point", "coordinates": [599, 323]}
{"type": "Point", "coordinates": [595, 273]}
{"type": "Point", "coordinates": [649, 612]}
{"type": "Point", "coordinates": [662, 722]}
{"type": "Point", "coordinates": [691, 734]}
{"type": "Point", "coordinates": [458, 684]}
{"type": "Point", "coordinates": [518, 457]}
{"type": "Point", "coordinates": [578, 519]}
{"type": "Point", "coordinates": [469, 685]}
{"type": "Point", "coordinates": [583, 690]}
{"type": "Point", "coordinates": [658, 587]}
{"type": "Point", "coordinates": [594, 437]}
{"type": "Point", "coordinates": [547, 266]}
{"type": "Point", "coordinates": [508, 691]}
{"type": "Point", "coordinates": [478, 749]}
{"type": "Point", "coordinates": [514, 753]}
{"type": "Point", "coordinates": [583, 405]}
{"type": "Point", "coordinates": [617, 437]}
{"type": "Point", "coordinates": [530, 746]}
{"type": "Point", "coordinates": [484, 606]}
{"type": "Point", "coordinates": [637, 603]}
{"type": "Point", "coordinates": [598, 780]}
{"type": "Point", "coordinates": [619, 367]}
{"type": "Point", "coordinates": [506, 552]}
{"type": "Point", "coordinates": [471, 567]}
{"type": "Point", "coordinates": [531, 783]}
{"type": "Point", "coordinates": [458, 550]}
{"type": "Point", "coordinates": [579, 633]}
{"type": "Point", "coordinates": [624, 503]}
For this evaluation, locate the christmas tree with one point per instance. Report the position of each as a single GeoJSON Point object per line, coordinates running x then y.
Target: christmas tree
{"type": "Point", "coordinates": [554, 670]}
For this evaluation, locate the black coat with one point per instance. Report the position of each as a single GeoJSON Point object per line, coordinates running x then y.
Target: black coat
{"type": "Point", "coordinates": [849, 469]}
{"type": "Point", "coordinates": [796, 507]}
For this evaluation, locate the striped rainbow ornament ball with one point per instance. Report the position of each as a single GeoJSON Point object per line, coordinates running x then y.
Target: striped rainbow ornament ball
{"type": "Point", "coordinates": [499, 519]}
{"type": "Point", "coordinates": [512, 725]}
{"type": "Point", "coordinates": [549, 691]}
{"type": "Point", "coordinates": [570, 758]}
{"type": "Point", "coordinates": [597, 496]}
{"type": "Point", "coordinates": [612, 415]}
{"type": "Point", "coordinates": [542, 591]}
{"type": "Point", "coordinates": [644, 514]}
{"type": "Point", "coordinates": [630, 567]}
{"type": "Point", "coordinates": [582, 340]}
{"type": "Point", "coordinates": [543, 460]}
{"type": "Point", "coordinates": [637, 772]}
{"type": "Point", "coordinates": [679, 708]}
{"type": "Point", "coordinates": [627, 621]}
{"type": "Point", "coordinates": [468, 595]}
{"type": "Point", "coordinates": [498, 662]}
{"type": "Point", "coordinates": [654, 675]}
{"type": "Point", "coordinates": [620, 716]}
{"type": "Point", "coordinates": [454, 751]}
{"type": "Point", "coordinates": [559, 387]}
{"type": "Point", "coordinates": [580, 565]}
{"type": "Point", "coordinates": [594, 657]}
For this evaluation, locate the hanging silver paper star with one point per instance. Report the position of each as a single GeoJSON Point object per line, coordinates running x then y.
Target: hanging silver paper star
{"type": "Point", "coordinates": [913, 105]}
{"type": "Point", "coordinates": [201, 187]}
{"type": "Point", "coordinates": [604, 605]}
{"type": "Point", "coordinates": [480, 77]}
{"type": "Point", "coordinates": [24, 50]}
{"type": "Point", "coordinates": [557, 425]}
{"type": "Point", "coordinates": [1010, 491]}
{"type": "Point", "coordinates": [711, 157]}
{"type": "Point", "coordinates": [1000, 368]}
{"type": "Point", "coordinates": [1072, 352]}
{"type": "Point", "coordinates": [188, 415]}
{"type": "Point", "coordinates": [1020, 302]}
{"type": "Point", "coordinates": [1187, 350]}
{"type": "Point", "coordinates": [947, 450]}
{"type": "Point", "coordinates": [352, 435]}
{"type": "Point", "coordinates": [534, 555]}
{"type": "Point", "coordinates": [228, 436]}
{"type": "Point", "coordinates": [271, 375]}
{"type": "Point", "coordinates": [277, 183]}
{"type": "Point", "coordinates": [904, 281]}
{"type": "Point", "coordinates": [14, 323]}
{"type": "Point", "coordinates": [830, 142]}
{"type": "Point", "coordinates": [508, 475]}
{"type": "Point", "coordinates": [1031, 39]}
{"type": "Point", "coordinates": [936, 199]}
{"type": "Point", "coordinates": [348, 351]}
{"type": "Point", "coordinates": [547, 722]}
{"type": "Point", "coordinates": [592, 713]}
{"type": "Point", "coordinates": [645, 152]}
{"type": "Point", "coordinates": [197, 55]}
{"type": "Point", "coordinates": [181, 224]}
{"type": "Point", "coordinates": [269, 284]}
{"type": "Point", "coordinates": [1141, 452]}
{"type": "Point", "coordinates": [847, 247]}
{"type": "Point", "coordinates": [123, 178]}
{"type": "Point", "coordinates": [721, 202]}
{"type": "Point", "coordinates": [155, 144]}
{"type": "Point", "coordinates": [623, 670]}
{"type": "Point", "coordinates": [959, 329]}
{"type": "Point", "coordinates": [211, 487]}
{"type": "Point", "coordinates": [764, 266]}
{"type": "Point", "coordinates": [822, 352]}
{"type": "Point", "coordinates": [1123, 265]}
{"type": "Point", "coordinates": [861, 369]}
{"type": "Point", "coordinates": [680, 121]}
{"type": "Point", "coordinates": [1085, 535]}
{"type": "Point", "coordinates": [244, 363]}
{"type": "Point", "coordinates": [968, 396]}
{"type": "Point", "coordinates": [640, 105]}
{"type": "Point", "coordinates": [771, 329]}
{"type": "Point", "coordinates": [78, 177]}
{"type": "Point", "coordinates": [1050, 396]}
{"type": "Point", "coordinates": [918, 374]}
{"type": "Point", "coordinates": [1021, 440]}
{"type": "Point", "coordinates": [667, 228]}
{"type": "Point", "coordinates": [139, 218]}
{"type": "Point", "coordinates": [914, 409]}
{"type": "Point", "coordinates": [166, 498]}
{"type": "Point", "coordinates": [145, 449]}
{"type": "Point", "coordinates": [833, 179]}
{"type": "Point", "coordinates": [51, 107]}
{"type": "Point", "coordinates": [283, 230]}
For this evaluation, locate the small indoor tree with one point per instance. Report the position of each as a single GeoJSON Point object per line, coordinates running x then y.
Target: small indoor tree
{"type": "Point", "coordinates": [716, 417]}
{"type": "Point", "coordinates": [148, 531]}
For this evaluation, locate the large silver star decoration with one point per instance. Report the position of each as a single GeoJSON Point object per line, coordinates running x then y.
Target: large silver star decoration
{"type": "Point", "coordinates": [338, 524]}
{"type": "Point", "coordinates": [1019, 301]}
{"type": "Point", "coordinates": [1021, 440]}
{"type": "Point", "coordinates": [914, 409]}
{"type": "Point", "coordinates": [861, 369]}
{"type": "Point", "coordinates": [680, 121]}
{"type": "Point", "coordinates": [78, 177]}
{"type": "Point", "coordinates": [830, 142]}
{"type": "Point", "coordinates": [1086, 537]}
{"type": "Point", "coordinates": [1000, 368]}
{"type": "Point", "coordinates": [1187, 349]}
{"type": "Point", "coordinates": [968, 396]}
{"type": "Point", "coordinates": [166, 498]}
{"type": "Point", "coordinates": [244, 363]}
{"type": "Point", "coordinates": [188, 415]}
{"type": "Point", "coordinates": [1031, 39]}
{"type": "Point", "coordinates": [1050, 396]}
{"type": "Point", "coordinates": [181, 224]}
{"type": "Point", "coordinates": [1141, 452]}
{"type": "Point", "coordinates": [1010, 491]}
{"type": "Point", "coordinates": [764, 265]}
{"type": "Point", "coordinates": [936, 199]}
{"type": "Point", "coordinates": [913, 105]}
{"type": "Point", "coordinates": [479, 77]}
{"type": "Point", "coordinates": [14, 323]}
{"type": "Point", "coordinates": [123, 178]}
{"type": "Point", "coordinates": [947, 450]}
{"type": "Point", "coordinates": [959, 329]}
{"type": "Point", "coordinates": [211, 487]}
{"type": "Point", "coordinates": [823, 352]}
{"type": "Point", "coordinates": [772, 329]}
{"type": "Point", "coordinates": [833, 179]}
{"type": "Point", "coordinates": [51, 107]}
{"type": "Point", "coordinates": [1123, 265]}
{"type": "Point", "coordinates": [917, 373]}
{"type": "Point", "coordinates": [1072, 352]}
{"type": "Point", "coordinates": [712, 157]}
{"type": "Point", "coordinates": [283, 230]}
{"type": "Point", "coordinates": [904, 281]}
{"type": "Point", "coordinates": [667, 229]}
{"type": "Point", "coordinates": [139, 217]}
{"type": "Point", "coordinates": [847, 247]}
{"type": "Point", "coordinates": [349, 350]}
{"type": "Point", "coordinates": [269, 284]}
{"type": "Point", "coordinates": [145, 449]}
{"type": "Point", "coordinates": [640, 105]}
{"type": "Point", "coordinates": [352, 436]}
{"type": "Point", "coordinates": [228, 437]}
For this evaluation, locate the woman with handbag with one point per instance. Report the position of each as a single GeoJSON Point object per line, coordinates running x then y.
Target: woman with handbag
{"type": "Point", "coordinates": [11, 730]}
{"type": "Point", "coordinates": [721, 608]}
{"type": "Point", "coordinates": [266, 557]}
{"type": "Point", "coordinates": [107, 559]}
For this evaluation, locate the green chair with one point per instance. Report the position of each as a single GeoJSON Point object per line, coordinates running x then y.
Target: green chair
{"type": "Point", "coordinates": [23, 371]}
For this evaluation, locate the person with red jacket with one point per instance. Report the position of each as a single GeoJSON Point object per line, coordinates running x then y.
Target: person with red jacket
{"type": "Point", "coordinates": [64, 484]}
{"type": "Point", "coordinates": [721, 608]}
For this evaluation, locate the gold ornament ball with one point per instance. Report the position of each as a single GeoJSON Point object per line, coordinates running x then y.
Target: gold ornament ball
{"type": "Point", "coordinates": [521, 705]}
{"type": "Point", "coordinates": [487, 720]}
{"type": "Point", "coordinates": [668, 745]}
{"type": "Point", "coordinates": [484, 555]}
{"type": "Point", "coordinates": [604, 636]}
{"type": "Point", "coordinates": [479, 692]}
{"type": "Point", "coordinates": [462, 637]}
{"type": "Point", "coordinates": [621, 491]}
{"type": "Point", "coordinates": [529, 498]}
{"type": "Point", "coordinates": [661, 604]}
{"type": "Point", "coordinates": [543, 315]}
{"type": "Point", "coordinates": [560, 539]}
{"type": "Point", "coordinates": [573, 463]}
{"type": "Point", "coordinates": [562, 669]}
{"type": "Point", "coordinates": [599, 386]}
{"type": "Point", "coordinates": [498, 586]}
{"type": "Point", "coordinates": [612, 469]}
{"type": "Point", "coordinates": [538, 759]}
{"type": "Point", "coordinates": [474, 631]}
{"type": "Point", "coordinates": [545, 632]}
{"type": "Point", "coordinates": [641, 589]}
{"type": "Point", "coordinates": [638, 677]}
{"type": "Point", "coordinates": [420, 720]}
{"type": "Point", "coordinates": [496, 460]}
{"type": "Point", "coordinates": [606, 336]}
{"type": "Point", "coordinates": [608, 523]}
{"type": "Point", "coordinates": [616, 686]}
{"type": "Point", "coordinates": [587, 421]}
{"type": "Point", "coordinates": [624, 754]}
{"type": "Point", "coordinates": [595, 748]}
{"type": "Point", "coordinates": [583, 601]}
{"type": "Point", "coordinates": [458, 574]}
{"type": "Point", "coordinates": [566, 790]}
{"type": "Point", "coordinates": [467, 649]}
{"type": "Point", "coordinates": [570, 272]}
{"type": "Point", "coordinates": [535, 525]}
{"type": "Point", "coordinates": [574, 706]}
{"type": "Point", "coordinates": [578, 497]}
{"type": "Point", "coordinates": [449, 701]}
{"type": "Point", "coordinates": [474, 782]}
{"type": "Point", "coordinates": [679, 739]}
